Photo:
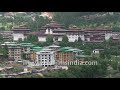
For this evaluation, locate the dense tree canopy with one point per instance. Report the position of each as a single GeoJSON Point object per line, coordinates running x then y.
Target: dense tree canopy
{"type": "Point", "coordinates": [32, 38]}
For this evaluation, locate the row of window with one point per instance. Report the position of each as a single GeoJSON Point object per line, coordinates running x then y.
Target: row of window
{"type": "Point", "coordinates": [14, 55]}
{"type": "Point", "coordinates": [15, 49]}
{"type": "Point", "coordinates": [14, 52]}
{"type": "Point", "coordinates": [44, 60]}
{"type": "Point", "coordinates": [43, 55]}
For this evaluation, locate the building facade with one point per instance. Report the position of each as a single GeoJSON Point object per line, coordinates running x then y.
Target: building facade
{"type": "Point", "coordinates": [14, 52]}
{"type": "Point", "coordinates": [98, 34]}
{"type": "Point", "coordinates": [45, 57]}
{"type": "Point", "coordinates": [67, 54]}
{"type": "Point", "coordinates": [7, 35]}
{"type": "Point", "coordinates": [20, 32]}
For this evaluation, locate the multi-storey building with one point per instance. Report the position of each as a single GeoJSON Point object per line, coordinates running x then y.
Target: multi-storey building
{"type": "Point", "coordinates": [98, 34]}
{"type": "Point", "coordinates": [116, 37]}
{"type": "Point", "coordinates": [45, 57]}
{"type": "Point", "coordinates": [7, 35]}
{"type": "Point", "coordinates": [20, 32]}
{"type": "Point", "coordinates": [67, 54]}
{"type": "Point", "coordinates": [14, 52]}
{"type": "Point", "coordinates": [33, 53]}
{"type": "Point", "coordinates": [26, 47]}
{"type": "Point", "coordinates": [26, 50]}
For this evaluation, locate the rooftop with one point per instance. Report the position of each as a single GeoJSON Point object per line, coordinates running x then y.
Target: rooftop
{"type": "Point", "coordinates": [27, 44]}
{"type": "Point", "coordinates": [37, 47]}
{"type": "Point", "coordinates": [53, 46]}
{"type": "Point", "coordinates": [83, 56]}
{"type": "Point", "coordinates": [65, 48]}
{"type": "Point", "coordinates": [69, 49]}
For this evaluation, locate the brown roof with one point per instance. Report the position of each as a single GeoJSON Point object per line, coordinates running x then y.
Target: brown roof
{"type": "Point", "coordinates": [39, 33]}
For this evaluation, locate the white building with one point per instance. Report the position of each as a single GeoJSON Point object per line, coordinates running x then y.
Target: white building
{"type": "Point", "coordinates": [108, 35]}
{"type": "Point", "coordinates": [42, 35]}
{"type": "Point", "coordinates": [20, 32]}
{"type": "Point", "coordinates": [97, 51]}
{"type": "Point", "coordinates": [45, 57]}
{"type": "Point", "coordinates": [17, 36]}
{"type": "Point", "coordinates": [98, 34]}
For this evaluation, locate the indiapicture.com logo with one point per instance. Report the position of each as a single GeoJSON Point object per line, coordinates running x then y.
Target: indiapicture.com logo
{"type": "Point", "coordinates": [77, 62]}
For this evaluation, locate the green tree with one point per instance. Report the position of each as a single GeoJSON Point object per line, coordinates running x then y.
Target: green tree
{"type": "Point", "coordinates": [49, 39]}
{"type": "Point", "coordinates": [2, 28]}
{"type": "Point", "coordinates": [102, 55]}
{"type": "Point", "coordinates": [65, 39]}
{"type": "Point", "coordinates": [23, 56]}
{"type": "Point", "coordinates": [87, 51]}
{"type": "Point", "coordinates": [1, 38]}
{"type": "Point", "coordinates": [108, 56]}
{"type": "Point", "coordinates": [79, 40]}
{"type": "Point", "coordinates": [5, 51]}
{"type": "Point", "coordinates": [32, 38]}
{"type": "Point", "coordinates": [20, 40]}
{"type": "Point", "coordinates": [79, 71]}
{"type": "Point", "coordinates": [110, 41]}
{"type": "Point", "coordinates": [116, 29]}
{"type": "Point", "coordinates": [10, 27]}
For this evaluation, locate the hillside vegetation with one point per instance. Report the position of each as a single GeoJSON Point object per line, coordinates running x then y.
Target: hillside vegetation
{"type": "Point", "coordinates": [80, 19]}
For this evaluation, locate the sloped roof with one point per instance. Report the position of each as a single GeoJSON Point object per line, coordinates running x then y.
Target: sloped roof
{"type": "Point", "coordinates": [83, 56]}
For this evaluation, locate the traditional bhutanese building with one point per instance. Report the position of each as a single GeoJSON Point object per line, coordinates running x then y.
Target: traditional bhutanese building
{"type": "Point", "coordinates": [53, 25]}
{"type": "Point", "coordinates": [7, 35]}
{"type": "Point", "coordinates": [116, 37]}
{"type": "Point", "coordinates": [98, 34]}
{"type": "Point", "coordinates": [42, 35]}
{"type": "Point", "coordinates": [20, 32]}
{"type": "Point", "coordinates": [57, 30]}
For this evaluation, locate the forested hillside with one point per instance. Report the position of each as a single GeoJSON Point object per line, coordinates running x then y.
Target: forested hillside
{"type": "Point", "coordinates": [89, 19]}
{"type": "Point", "coordinates": [81, 19]}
